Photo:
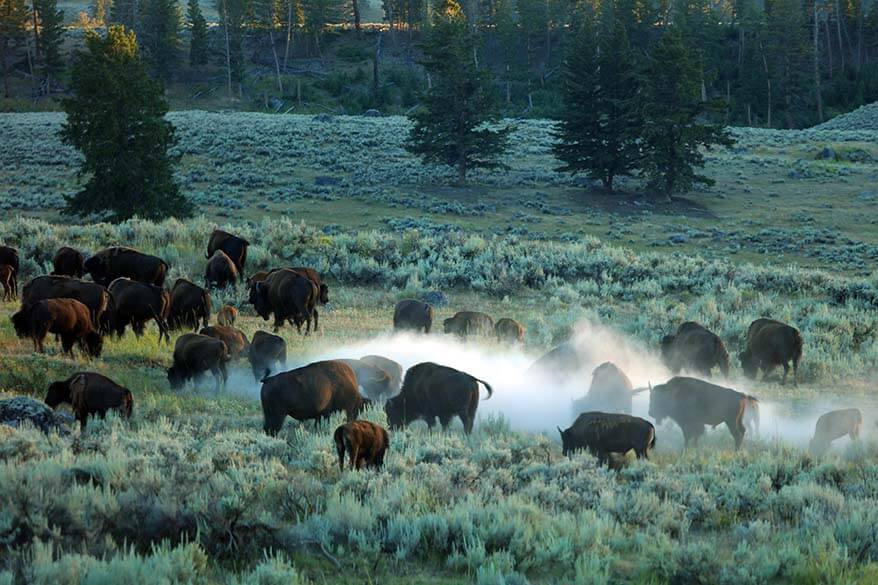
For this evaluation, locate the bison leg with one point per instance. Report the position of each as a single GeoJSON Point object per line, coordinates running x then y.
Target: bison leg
{"type": "Point", "coordinates": [272, 423]}
{"type": "Point", "coordinates": [356, 457]}
{"type": "Point", "coordinates": [795, 372]}
{"type": "Point", "coordinates": [219, 379]}
{"type": "Point", "coordinates": [468, 423]}
{"type": "Point", "coordinates": [737, 428]}
{"type": "Point", "coordinates": [445, 421]}
{"type": "Point", "coordinates": [316, 320]}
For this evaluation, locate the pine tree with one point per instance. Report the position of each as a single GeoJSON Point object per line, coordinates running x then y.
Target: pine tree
{"type": "Point", "coordinates": [451, 126]}
{"type": "Point", "coordinates": [600, 124]}
{"type": "Point", "coordinates": [50, 38]}
{"type": "Point", "coordinates": [318, 14]}
{"type": "Point", "coordinates": [160, 37]}
{"type": "Point", "coordinates": [116, 119]}
{"type": "Point", "coordinates": [232, 14]}
{"type": "Point", "coordinates": [13, 17]}
{"type": "Point", "coordinates": [126, 13]}
{"type": "Point", "coordinates": [672, 108]}
{"type": "Point", "coordinates": [198, 34]}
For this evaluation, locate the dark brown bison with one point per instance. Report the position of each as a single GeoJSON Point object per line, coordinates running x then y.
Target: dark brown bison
{"type": "Point", "coordinates": [90, 394]}
{"type": "Point", "coordinates": [392, 368]}
{"type": "Point", "coordinates": [135, 303]}
{"type": "Point", "coordinates": [561, 363]}
{"type": "Point", "coordinates": [312, 392]}
{"type": "Point", "coordinates": [309, 273]}
{"type": "Point", "coordinates": [288, 296]}
{"type": "Point", "coordinates": [120, 262]}
{"type": "Point", "coordinates": [68, 262]}
{"type": "Point", "coordinates": [374, 382]}
{"type": "Point", "coordinates": [509, 331]}
{"type": "Point", "coordinates": [266, 352]}
{"type": "Point", "coordinates": [9, 256]}
{"type": "Point", "coordinates": [226, 316]}
{"type": "Point", "coordinates": [610, 391]}
{"type": "Point", "coordinates": [431, 391]}
{"type": "Point", "coordinates": [770, 344]}
{"type": "Point", "coordinates": [696, 349]}
{"type": "Point", "coordinates": [9, 282]}
{"type": "Point", "coordinates": [693, 403]}
{"type": "Point", "coordinates": [196, 354]}
{"type": "Point", "coordinates": [68, 319]}
{"type": "Point", "coordinates": [466, 323]}
{"type": "Point", "coordinates": [235, 340]}
{"type": "Point", "coordinates": [602, 433]}
{"type": "Point", "coordinates": [93, 296]}
{"type": "Point", "coordinates": [220, 272]}
{"type": "Point", "coordinates": [834, 425]}
{"type": "Point", "coordinates": [412, 315]}
{"type": "Point", "coordinates": [234, 247]}
{"type": "Point", "coordinates": [190, 306]}
{"type": "Point", "coordinates": [364, 441]}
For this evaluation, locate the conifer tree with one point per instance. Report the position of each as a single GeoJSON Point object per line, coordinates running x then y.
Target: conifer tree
{"type": "Point", "coordinates": [13, 16]}
{"type": "Point", "coordinates": [160, 36]}
{"type": "Point", "coordinates": [51, 35]}
{"type": "Point", "coordinates": [198, 34]}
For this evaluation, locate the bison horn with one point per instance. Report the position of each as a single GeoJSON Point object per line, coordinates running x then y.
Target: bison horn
{"type": "Point", "coordinates": [559, 430]}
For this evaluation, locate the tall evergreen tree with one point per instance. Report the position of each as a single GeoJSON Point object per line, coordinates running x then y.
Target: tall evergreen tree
{"type": "Point", "coordinates": [600, 126]}
{"type": "Point", "coordinates": [51, 23]}
{"type": "Point", "coordinates": [126, 13]}
{"type": "Point", "coordinates": [674, 133]}
{"type": "Point", "coordinates": [232, 14]}
{"type": "Point", "coordinates": [451, 127]}
{"type": "Point", "coordinates": [197, 34]}
{"type": "Point", "coordinates": [788, 56]}
{"type": "Point", "coordinates": [116, 119]}
{"type": "Point", "coordinates": [318, 14]}
{"type": "Point", "coordinates": [160, 37]}
{"type": "Point", "coordinates": [13, 17]}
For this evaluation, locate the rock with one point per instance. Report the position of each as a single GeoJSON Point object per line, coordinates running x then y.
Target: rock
{"type": "Point", "coordinates": [323, 118]}
{"type": "Point", "coordinates": [372, 113]}
{"type": "Point", "coordinates": [275, 103]}
{"type": "Point", "coordinates": [436, 298]}
{"type": "Point", "coordinates": [679, 239]}
{"type": "Point", "coordinates": [15, 411]}
{"type": "Point", "coordinates": [324, 181]}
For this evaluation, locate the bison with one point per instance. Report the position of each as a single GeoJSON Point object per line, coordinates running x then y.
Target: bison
{"type": "Point", "coordinates": [834, 425]}
{"type": "Point", "coordinates": [120, 262]}
{"type": "Point", "coordinates": [751, 415]}
{"type": "Point", "coordinates": [313, 392]}
{"type": "Point", "coordinates": [610, 391]}
{"type": "Point", "coordinates": [135, 303]}
{"type": "Point", "coordinates": [220, 272]}
{"type": "Point", "coordinates": [9, 256]}
{"type": "Point", "coordinates": [693, 403]}
{"type": "Point", "coordinates": [559, 364]}
{"type": "Point", "coordinates": [234, 339]}
{"type": "Point", "coordinates": [266, 351]}
{"type": "Point", "coordinates": [196, 354]}
{"type": "Point", "coordinates": [66, 318]}
{"type": "Point", "coordinates": [430, 390]}
{"type": "Point", "coordinates": [68, 262]}
{"type": "Point", "coordinates": [508, 330]}
{"type": "Point", "coordinates": [90, 394]}
{"type": "Point", "coordinates": [234, 247]}
{"type": "Point", "coordinates": [9, 282]}
{"type": "Point", "coordinates": [227, 316]}
{"type": "Point", "coordinates": [190, 306]}
{"type": "Point", "coordinates": [412, 315]}
{"type": "Point", "coordinates": [466, 323]}
{"type": "Point", "coordinates": [392, 368]}
{"type": "Point", "coordinates": [770, 344]}
{"type": "Point", "coordinates": [694, 348]}
{"type": "Point", "coordinates": [602, 433]}
{"type": "Point", "coordinates": [288, 296]}
{"type": "Point", "coordinates": [374, 382]}
{"type": "Point", "coordinates": [364, 441]}
{"type": "Point", "coordinates": [90, 294]}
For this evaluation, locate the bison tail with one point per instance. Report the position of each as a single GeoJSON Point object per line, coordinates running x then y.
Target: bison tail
{"type": "Point", "coordinates": [128, 405]}
{"type": "Point", "coordinates": [487, 387]}
{"type": "Point", "coordinates": [652, 440]}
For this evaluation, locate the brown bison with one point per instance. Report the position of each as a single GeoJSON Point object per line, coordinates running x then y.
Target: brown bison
{"type": "Point", "coordinates": [834, 425]}
{"type": "Point", "coordinates": [412, 315]}
{"type": "Point", "coordinates": [234, 247]}
{"type": "Point", "coordinates": [90, 394]}
{"type": "Point", "coordinates": [190, 306]}
{"type": "Point", "coordinates": [770, 344]}
{"type": "Point", "coordinates": [234, 339]}
{"type": "Point", "coordinates": [9, 257]}
{"type": "Point", "coordinates": [120, 262]}
{"type": "Point", "coordinates": [696, 349]}
{"type": "Point", "coordinates": [196, 354]}
{"type": "Point", "coordinates": [561, 363]}
{"type": "Point", "coordinates": [364, 441]}
{"type": "Point", "coordinates": [266, 352]}
{"type": "Point", "coordinates": [289, 296]}
{"type": "Point", "coordinates": [693, 403]}
{"type": "Point", "coordinates": [392, 368]}
{"type": "Point", "coordinates": [9, 282]}
{"type": "Point", "coordinates": [220, 272]}
{"type": "Point", "coordinates": [466, 323]}
{"type": "Point", "coordinates": [135, 303]}
{"type": "Point", "coordinates": [509, 331]}
{"type": "Point", "coordinates": [93, 296]}
{"type": "Point", "coordinates": [227, 316]}
{"type": "Point", "coordinates": [610, 391]}
{"type": "Point", "coordinates": [66, 318]}
{"type": "Point", "coordinates": [431, 391]}
{"type": "Point", "coordinates": [602, 433]}
{"type": "Point", "coordinates": [309, 273]}
{"type": "Point", "coordinates": [68, 262]}
{"type": "Point", "coordinates": [374, 382]}
{"type": "Point", "coordinates": [312, 392]}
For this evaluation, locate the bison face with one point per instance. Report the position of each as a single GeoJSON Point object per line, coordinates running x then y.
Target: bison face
{"type": "Point", "coordinates": [748, 363]}
{"type": "Point", "coordinates": [324, 294]}
{"type": "Point", "coordinates": [259, 293]}
{"type": "Point", "coordinates": [448, 325]}
{"type": "Point", "coordinates": [97, 267]}
{"type": "Point", "coordinates": [395, 410]}
{"type": "Point", "coordinates": [657, 406]}
{"type": "Point", "coordinates": [94, 344]}
{"type": "Point", "coordinates": [58, 392]}
{"type": "Point", "coordinates": [667, 347]}
{"type": "Point", "coordinates": [21, 323]}
{"type": "Point", "coordinates": [175, 377]}
{"type": "Point", "coordinates": [566, 447]}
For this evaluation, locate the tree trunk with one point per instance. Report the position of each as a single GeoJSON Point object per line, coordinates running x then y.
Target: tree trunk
{"type": "Point", "coordinates": [838, 30]}
{"type": "Point", "coordinates": [33, 11]}
{"type": "Point", "coordinates": [228, 48]}
{"type": "Point", "coordinates": [355, 6]}
{"type": "Point", "coordinates": [376, 61]}
{"type": "Point", "coordinates": [828, 46]}
{"type": "Point", "coordinates": [289, 33]}
{"type": "Point", "coordinates": [768, 83]}
{"type": "Point", "coordinates": [4, 47]}
{"type": "Point", "coordinates": [461, 170]}
{"type": "Point", "coordinates": [817, 90]}
{"type": "Point", "coordinates": [608, 183]}
{"type": "Point", "coordinates": [280, 84]}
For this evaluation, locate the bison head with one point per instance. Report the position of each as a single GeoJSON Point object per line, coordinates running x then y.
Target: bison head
{"type": "Point", "coordinates": [667, 347]}
{"type": "Point", "coordinates": [97, 267]}
{"type": "Point", "coordinates": [94, 344]}
{"type": "Point", "coordinates": [448, 325]}
{"type": "Point", "coordinates": [566, 443]}
{"type": "Point", "coordinates": [259, 298]}
{"type": "Point", "coordinates": [58, 392]}
{"type": "Point", "coordinates": [175, 377]}
{"type": "Point", "coordinates": [324, 294]}
{"type": "Point", "coordinates": [21, 323]}
{"type": "Point", "coordinates": [748, 363]}
{"type": "Point", "coordinates": [659, 407]}
{"type": "Point", "coordinates": [396, 412]}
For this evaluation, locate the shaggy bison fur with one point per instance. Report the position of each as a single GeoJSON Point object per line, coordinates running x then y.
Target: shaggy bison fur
{"type": "Point", "coordinates": [90, 394]}
{"type": "Point", "coordinates": [364, 441]}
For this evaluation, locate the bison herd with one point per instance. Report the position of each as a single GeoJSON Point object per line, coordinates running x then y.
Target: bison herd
{"type": "Point", "coordinates": [127, 290]}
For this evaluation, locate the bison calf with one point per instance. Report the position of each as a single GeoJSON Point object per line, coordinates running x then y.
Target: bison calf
{"type": "Point", "coordinates": [227, 316]}
{"type": "Point", "coordinates": [602, 433]}
{"type": "Point", "coordinates": [509, 331]}
{"type": "Point", "coordinates": [466, 323]}
{"type": "Point", "coordinates": [266, 351]}
{"type": "Point", "coordinates": [221, 272]}
{"type": "Point", "coordinates": [89, 394]}
{"type": "Point", "coordinates": [67, 318]}
{"type": "Point", "coordinates": [235, 340]}
{"type": "Point", "coordinates": [364, 441]}
{"type": "Point", "coordinates": [412, 315]}
{"type": "Point", "coordinates": [834, 425]}
{"type": "Point", "coordinates": [195, 354]}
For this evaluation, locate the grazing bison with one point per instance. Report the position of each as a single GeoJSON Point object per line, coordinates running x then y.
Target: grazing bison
{"type": "Point", "coordinates": [770, 344]}
{"type": "Point", "coordinates": [694, 348]}
{"type": "Point", "coordinates": [266, 351]}
{"type": "Point", "coordinates": [392, 368]}
{"type": "Point", "coordinates": [693, 403]}
{"type": "Point", "coordinates": [602, 433]}
{"type": "Point", "coordinates": [834, 425]}
{"type": "Point", "coordinates": [190, 306]}
{"type": "Point", "coordinates": [196, 354]}
{"type": "Point", "coordinates": [68, 262]}
{"type": "Point", "coordinates": [220, 272]}
{"type": "Point", "coordinates": [312, 392]}
{"type": "Point", "coordinates": [309, 273]}
{"type": "Point", "coordinates": [288, 296]}
{"type": "Point", "coordinates": [227, 316]}
{"type": "Point", "coordinates": [135, 303]}
{"type": "Point", "coordinates": [364, 441]}
{"type": "Point", "coordinates": [374, 382]}
{"type": "Point", "coordinates": [509, 331]}
{"type": "Point", "coordinates": [232, 246]}
{"type": "Point", "coordinates": [610, 391]}
{"type": "Point", "coordinates": [412, 315]}
{"type": "Point", "coordinates": [466, 323]}
{"type": "Point", "coordinates": [234, 339]}
{"type": "Point", "coordinates": [120, 262]}
{"type": "Point", "coordinates": [9, 257]}
{"type": "Point", "coordinates": [93, 296]}
{"type": "Point", "coordinates": [430, 391]}
{"type": "Point", "coordinates": [66, 318]}
{"type": "Point", "coordinates": [90, 394]}
{"type": "Point", "coordinates": [561, 363]}
{"type": "Point", "coordinates": [9, 282]}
